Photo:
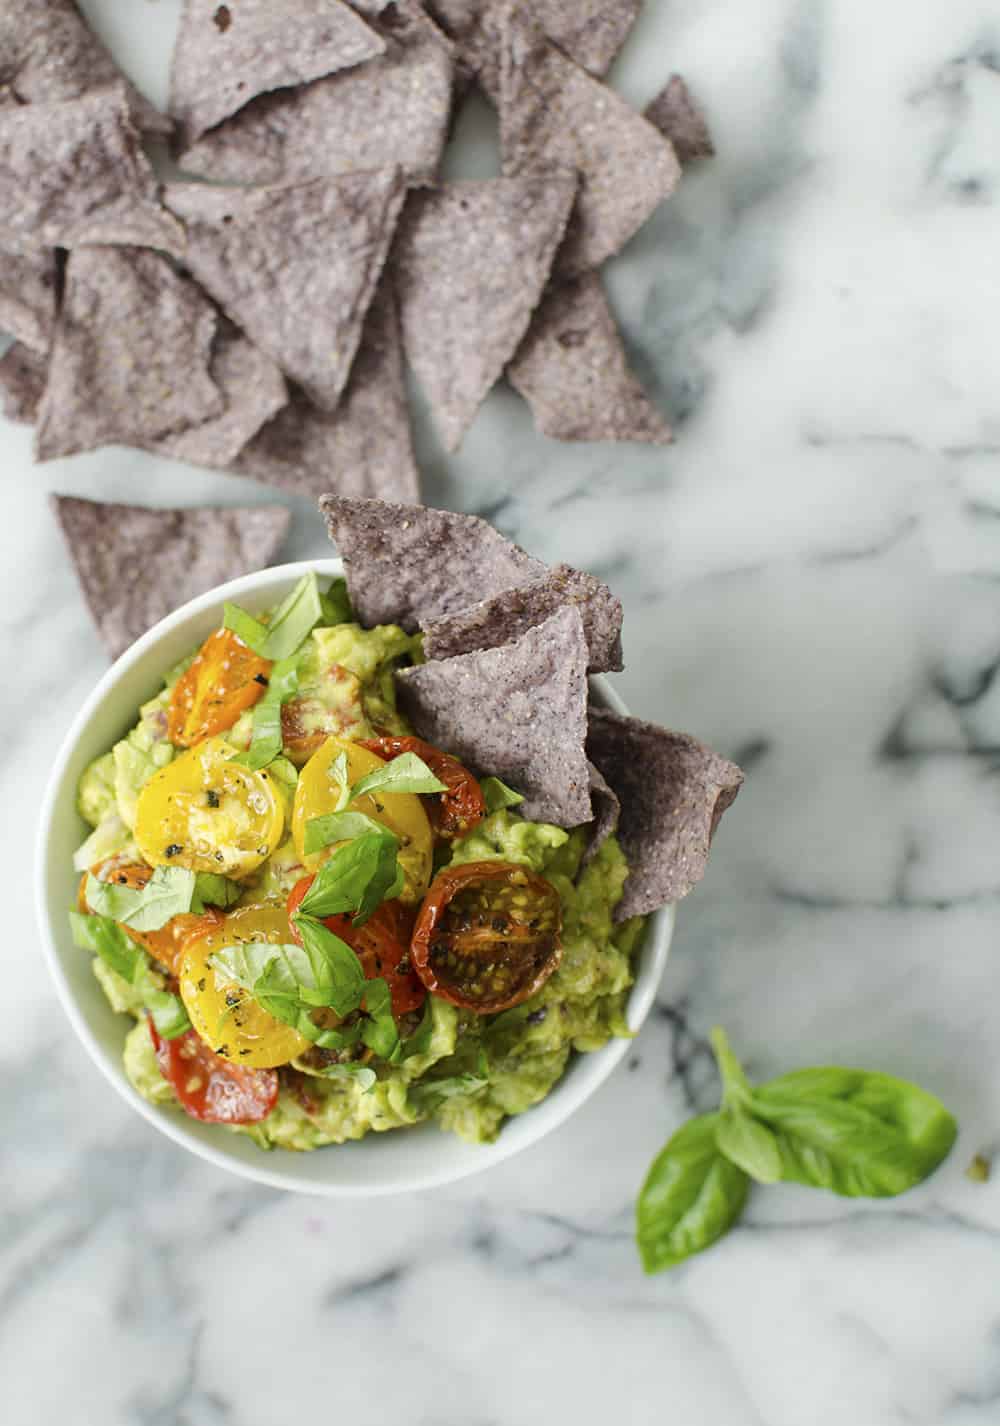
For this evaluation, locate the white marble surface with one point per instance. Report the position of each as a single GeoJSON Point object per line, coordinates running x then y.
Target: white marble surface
{"type": "Point", "coordinates": [810, 579]}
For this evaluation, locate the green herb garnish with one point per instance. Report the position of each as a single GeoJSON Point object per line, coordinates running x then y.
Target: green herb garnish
{"type": "Point", "coordinates": [294, 620]}
{"type": "Point", "coordinates": [859, 1133]}
{"type": "Point", "coordinates": [266, 741]}
{"type": "Point", "coordinates": [127, 959]}
{"type": "Point", "coordinates": [497, 794]}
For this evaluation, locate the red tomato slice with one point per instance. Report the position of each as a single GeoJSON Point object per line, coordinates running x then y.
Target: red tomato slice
{"type": "Point", "coordinates": [225, 679]}
{"type": "Point", "coordinates": [487, 935]}
{"type": "Point", "coordinates": [453, 813]}
{"type": "Point", "coordinates": [209, 1087]}
{"type": "Point", "coordinates": [382, 945]}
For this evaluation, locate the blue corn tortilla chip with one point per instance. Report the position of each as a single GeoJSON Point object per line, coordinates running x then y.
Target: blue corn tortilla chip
{"type": "Point", "coordinates": [518, 712]}
{"type": "Point", "coordinates": [393, 109]}
{"type": "Point", "coordinates": [507, 615]}
{"type": "Point", "coordinates": [556, 116]}
{"type": "Point", "coordinates": [228, 54]}
{"type": "Point", "coordinates": [131, 355]}
{"type": "Point", "coordinates": [72, 172]}
{"type": "Point", "coordinates": [470, 262]}
{"type": "Point", "coordinates": [572, 370]}
{"type": "Point", "coordinates": [295, 267]}
{"type": "Point", "coordinates": [607, 811]}
{"type": "Point", "coordinates": [28, 283]}
{"type": "Point", "coordinates": [48, 52]}
{"type": "Point", "coordinates": [135, 565]}
{"type": "Point", "coordinates": [591, 32]}
{"type": "Point", "coordinates": [410, 565]}
{"type": "Point", "coordinates": [673, 792]}
{"type": "Point", "coordinates": [677, 116]}
{"type": "Point", "coordinates": [364, 448]}
{"type": "Point", "coordinates": [23, 374]}
{"type": "Point", "coordinates": [253, 390]}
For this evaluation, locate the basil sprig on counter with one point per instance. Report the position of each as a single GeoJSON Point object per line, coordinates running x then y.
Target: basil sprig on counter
{"type": "Point", "coordinates": [170, 891]}
{"type": "Point", "coordinates": [856, 1132]}
{"type": "Point", "coordinates": [266, 740]}
{"type": "Point", "coordinates": [126, 958]}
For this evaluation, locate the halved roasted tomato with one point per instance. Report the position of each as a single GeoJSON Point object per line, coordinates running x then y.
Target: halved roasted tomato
{"type": "Point", "coordinates": [454, 812]}
{"type": "Point", "coordinates": [317, 793]}
{"type": "Point", "coordinates": [206, 812]}
{"type": "Point", "coordinates": [226, 679]}
{"type": "Point", "coordinates": [382, 945]}
{"type": "Point", "coordinates": [225, 1015]}
{"type": "Point", "coordinates": [487, 935]}
{"type": "Point", "coordinates": [208, 1087]}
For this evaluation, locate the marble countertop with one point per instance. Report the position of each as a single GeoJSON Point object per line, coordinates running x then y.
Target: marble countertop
{"type": "Point", "coordinates": [810, 577]}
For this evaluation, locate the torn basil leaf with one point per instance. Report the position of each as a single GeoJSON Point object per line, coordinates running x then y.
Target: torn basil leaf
{"type": "Point", "coordinates": [407, 773]}
{"type": "Point", "coordinates": [294, 620]}
{"type": "Point", "coordinates": [210, 889]}
{"type": "Point", "coordinates": [336, 605]}
{"type": "Point", "coordinates": [497, 794]}
{"type": "Point", "coordinates": [358, 877]}
{"type": "Point", "coordinates": [338, 827]}
{"type": "Point", "coordinates": [266, 740]}
{"type": "Point", "coordinates": [126, 958]}
{"type": "Point", "coordinates": [168, 893]}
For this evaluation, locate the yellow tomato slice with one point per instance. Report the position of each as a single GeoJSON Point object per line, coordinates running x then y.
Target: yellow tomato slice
{"type": "Point", "coordinates": [401, 812]}
{"type": "Point", "coordinates": [226, 1016]}
{"type": "Point", "coordinates": [208, 813]}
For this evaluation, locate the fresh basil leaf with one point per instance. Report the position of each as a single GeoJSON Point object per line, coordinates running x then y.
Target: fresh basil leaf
{"type": "Point", "coordinates": [338, 970]}
{"type": "Point", "coordinates": [736, 1090]}
{"type": "Point", "coordinates": [210, 889]}
{"type": "Point", "coordinates": [386, 883]}
{"type": "Point", "coordinates": [362, 1075]}
{"type": "Point", "coordinates": [497, 794]}
{"type": "Point", "coordinates": [355, 878]}
{"type": "Point", "coordinates": [336, 604]}
{"type": "Point", "coordinates": [407, 773]}
{"type": "Point", "coordinates": [168, 893]}
{"type": "Point", "coordinates": [856, 1132]}
{"type": "Point", "coordinates": [691, 1198]}
{"type": "Point", "coordinates": [379, 1031]}
{"type": "Point", "coordinates": [419, 1042]}
{"type": "Point", "coordinates": [750, 1145]}
{"type": "Point", "coordinates": [294, 620]}
{"type": "Point", "coordinates": [250, 630]}
{"type": "Point", "coordinates": [429, 1093]}
{"type": "Point", "coordinates": [266, 741]}
{"type": "Point", "coordinates": [338, 827]}
{"type": "Point", "coordinates": [107, 940]}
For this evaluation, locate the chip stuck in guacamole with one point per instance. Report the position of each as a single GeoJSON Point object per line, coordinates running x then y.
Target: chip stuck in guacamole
{"type": "Point", "coordinates": [335, 897]}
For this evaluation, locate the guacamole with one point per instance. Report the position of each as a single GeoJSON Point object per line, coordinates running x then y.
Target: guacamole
{"type": "Point", "coordinates": [466, 1071]}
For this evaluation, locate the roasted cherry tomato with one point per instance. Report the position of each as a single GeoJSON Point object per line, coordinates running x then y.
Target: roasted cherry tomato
{"type": "Point", "coordinates": [382, 945]}
{"type": "Point", "coordinates": [210, 1088]}
{"type": "Point", "coordinates": [453, 813]}
{"type": "Point", "coordinates": [317, 794]}
{"type": "Point", "coordinates": [487, 936]}
{"type": "Point", "coordinates": [208, 813]}
{"type": "Point", "coordinates": [227, 1017]}
{"type": "Point", "coordinates": [225, 679]}
{"type": "Point", "coordinates": [332, 706]}
{"type": "Point", "coordinates": [167, 943]}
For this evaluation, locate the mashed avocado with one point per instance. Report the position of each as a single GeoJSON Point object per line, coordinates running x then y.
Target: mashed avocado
{"type": "Point", "coordinates": [474, 1070]}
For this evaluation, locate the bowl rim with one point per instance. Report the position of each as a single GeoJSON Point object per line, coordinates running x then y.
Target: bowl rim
{"type": "Point", "coordinates": [566, 1096]}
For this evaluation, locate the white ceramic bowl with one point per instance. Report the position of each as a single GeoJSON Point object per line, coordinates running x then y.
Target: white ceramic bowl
{"type": "Point", "coordinates": [379, 1164]}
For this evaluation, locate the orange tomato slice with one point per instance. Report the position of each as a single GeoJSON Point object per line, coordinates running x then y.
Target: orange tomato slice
{"type": "Point", "coordinates": [225, 680]}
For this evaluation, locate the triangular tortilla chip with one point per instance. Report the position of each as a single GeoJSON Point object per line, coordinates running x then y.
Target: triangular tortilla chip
{"type": "Point", "coordinates": [679, 118]}
{"type": "Point", "coordinates": [506, 616]}
{"type": "Point", "coordinates": [226, 55]}
{"type": "Point", "coordinates": [591, 32]}
{"type": "Point", "coordinates": [137, 565]}
{"type": "Point", "coordinates": [23, 373]}
{"type": "Point", "coordinates": [48, 52]}
{"type": "Point", "coordinates": [410, 565]}
{"type": "Point", "coordinates": [518, 712]}
{"type": "Point", "coordinates": [572, 369]}
{"type": "Point", "coordinates": [673, 792]}
{"type": "Point", "coordinates": [28, 281]}
{"type": "Point", "coordinates": [554, 115]}
{"type": "Point", "coordinates": [253, 390]}
{"type": "Point", "coordinates": [131, 355]}
{"type": "Point", "coordinates": [364, 448]}
{"type": "Point", "coordinates": [392, 110]}
{"type": "Point", "coordinates": [607, 811]}
{"type": "Point", "coordinates": [73, 173]}
{"type": "Point", "coordinates": [471, 261]}
{"type": "Point", "coordinates": [295, 267]}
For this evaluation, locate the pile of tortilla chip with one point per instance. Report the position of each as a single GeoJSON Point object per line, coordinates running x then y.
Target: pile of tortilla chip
{"type": "Point", "coordinates": [262, 328]}
{"type": "Point", "coordinates": [509, 643]}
